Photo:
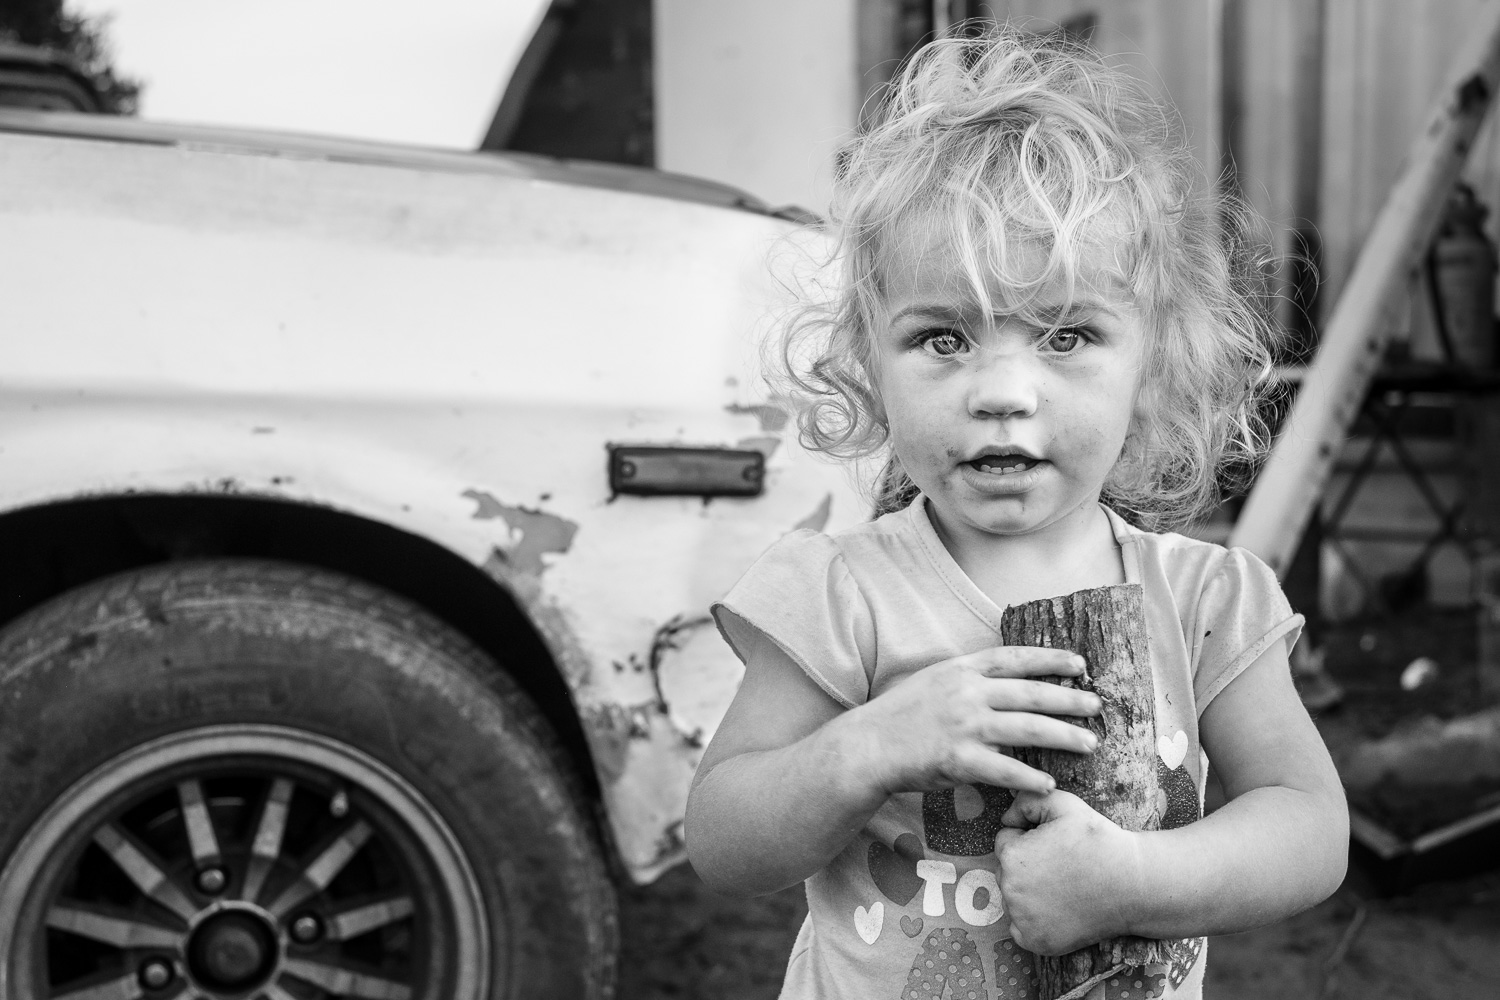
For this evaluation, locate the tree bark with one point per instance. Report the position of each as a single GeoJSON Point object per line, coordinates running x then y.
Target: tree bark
{"type": "Point", "coordinates": [1108, 627]}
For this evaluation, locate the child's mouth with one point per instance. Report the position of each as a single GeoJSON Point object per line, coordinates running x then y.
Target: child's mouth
{"type": "Point", "coordinates": [999, 465]}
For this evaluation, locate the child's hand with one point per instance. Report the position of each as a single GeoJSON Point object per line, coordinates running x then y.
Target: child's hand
{"type": "Point", "coordinates": [1067, 874]}
{"type": "Point", "coordinates": [943, 725]}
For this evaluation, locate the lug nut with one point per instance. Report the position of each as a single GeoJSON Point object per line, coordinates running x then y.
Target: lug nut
{"type": "Point", "coordinates": [306, 929]}
{"type": "Point", "coordinates": [339, 806]}
{"type": "Point", "coordinates": [212, 881]}
{"type": "Point", "coordinates": [155, 973]}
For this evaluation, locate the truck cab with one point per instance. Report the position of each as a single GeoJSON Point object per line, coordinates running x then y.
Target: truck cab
{"type": "Point", "coordinates": [362, 507]}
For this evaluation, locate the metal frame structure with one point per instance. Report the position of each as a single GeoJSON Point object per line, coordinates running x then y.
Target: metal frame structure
{"type": "Point", "coordinates": [1336, 384]}
{"type": "Point", "coordinates": [1392, 398]}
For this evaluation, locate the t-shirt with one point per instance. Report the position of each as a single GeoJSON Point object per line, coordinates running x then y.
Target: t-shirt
{"type": "Point", "coordinates": [910, 908]}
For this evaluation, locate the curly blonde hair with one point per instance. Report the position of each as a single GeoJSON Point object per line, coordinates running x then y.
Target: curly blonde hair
{"type": "Point", "coordinates": [1012, 148]}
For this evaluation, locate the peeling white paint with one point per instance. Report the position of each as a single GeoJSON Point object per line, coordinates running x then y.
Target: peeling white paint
{"type": "Point", "coordinates": [534, 536]}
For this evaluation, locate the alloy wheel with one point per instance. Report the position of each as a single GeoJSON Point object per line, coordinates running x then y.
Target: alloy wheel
{"type": "Point", "coordinates": [244, 862]}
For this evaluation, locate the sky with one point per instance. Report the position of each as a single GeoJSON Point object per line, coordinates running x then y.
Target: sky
{"type": "Point", "coordinates": [428, 72]}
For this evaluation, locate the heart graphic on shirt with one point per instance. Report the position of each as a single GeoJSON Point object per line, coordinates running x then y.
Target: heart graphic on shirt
{"type": "Point", "coordinates": [1177, 800]}
{"type": "Point", "coordinates": [868, 922]}
{"type": "Point", "coordinates": [895, 872]}
{"type": "Point", "coordinates": [911, 926]}
{"type": "Point", "coordinates": [1174, 750]}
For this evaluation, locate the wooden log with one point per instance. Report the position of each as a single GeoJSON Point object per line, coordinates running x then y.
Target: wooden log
{"type": "Point", "coordinates": [1108, 627]}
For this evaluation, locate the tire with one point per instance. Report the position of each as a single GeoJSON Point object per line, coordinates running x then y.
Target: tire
{"type": "Point", "coordinates": [242, 779]}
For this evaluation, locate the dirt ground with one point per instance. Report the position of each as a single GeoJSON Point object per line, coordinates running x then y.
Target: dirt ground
{"type": "Point", "coordinates": [1441, 940]}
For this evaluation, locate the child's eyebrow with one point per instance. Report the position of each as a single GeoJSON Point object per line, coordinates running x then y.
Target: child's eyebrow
{"type": "Point", "coordinates": [1078, 307]}
{"type": "Point", "coordinates": [930, 312]}
{"type": "Point", "coordinates": [1049, 313]}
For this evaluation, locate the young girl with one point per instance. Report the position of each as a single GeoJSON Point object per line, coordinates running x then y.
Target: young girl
{"type": "Point", "coordinates": [1048, 341]}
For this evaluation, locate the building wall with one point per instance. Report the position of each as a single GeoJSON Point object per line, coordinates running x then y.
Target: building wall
{"type": "Point", "coordinates": [759, 95]}
{"type": "Point", "coordinates": [1170, 43]}
{"type": "Point", "coordinates": [1385, 61]}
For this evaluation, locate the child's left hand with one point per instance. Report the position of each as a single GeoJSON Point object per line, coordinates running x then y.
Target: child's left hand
{"type": "Point", "coordinates": [1067, 874]}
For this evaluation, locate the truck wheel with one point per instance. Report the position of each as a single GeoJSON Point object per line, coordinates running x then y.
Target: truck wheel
{"type": "Point", "coordinates": [249, 779]}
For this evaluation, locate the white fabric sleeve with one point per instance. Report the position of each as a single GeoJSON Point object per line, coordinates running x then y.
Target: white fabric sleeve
{"type": "Point", "coordinates": [1241, 613]}
{"type": "Point", "coordinates": [800, 595]}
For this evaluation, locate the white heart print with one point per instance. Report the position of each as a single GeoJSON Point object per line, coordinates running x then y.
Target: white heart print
{"type": "Point", "coordinates": [1172, 751]}
{"type": "Point", "coordinates": [868, 922]}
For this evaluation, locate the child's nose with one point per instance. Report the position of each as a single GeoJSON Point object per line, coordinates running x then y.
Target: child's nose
{"type": "Point", "coordinates": [1004, 385]}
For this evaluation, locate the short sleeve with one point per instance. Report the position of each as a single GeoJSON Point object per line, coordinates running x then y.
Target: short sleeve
{"type": "Point", "coordinates": [800, 595]}
{"type": "Point", "coordinates": [1241, 613]}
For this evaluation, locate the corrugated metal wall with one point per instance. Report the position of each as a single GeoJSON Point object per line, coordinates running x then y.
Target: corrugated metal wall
{"type": "Point", "coordinates": [1385, 61]}
{"type": "Point", "coordinates": [1366, 70]}
{"type": "Point", "coordinates": [1170, 43]}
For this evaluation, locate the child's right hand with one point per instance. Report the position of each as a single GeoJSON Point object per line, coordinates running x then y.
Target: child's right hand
{"type": "Point", "coordinates": [943, 726]}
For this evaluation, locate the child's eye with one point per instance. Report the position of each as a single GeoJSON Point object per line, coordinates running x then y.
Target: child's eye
{"type": "Point", "coordinates": [942, 343]}
{"type": "Point", "coordinates": [1065, 340]}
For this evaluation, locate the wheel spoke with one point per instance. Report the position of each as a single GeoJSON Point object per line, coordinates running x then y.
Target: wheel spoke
{"type": "Point", "coordinates": [126, 987]}
{"type": "Point", "coordinates": [121, 932]}
{"type": "Point", "coordinates": [150, 879]}
{"type": "Point", "coordinates": [363, 919]}
{"type": "Point", "coordinates": [268, 833]}
{"type": "Point", "coordinates": [345, 982]}
{"type": "Point", "coordinates": [324, 869]}
{"type": "Point", "coordinates": [200, 828]}
{"type": "Point", "coordinates": [274, 992]}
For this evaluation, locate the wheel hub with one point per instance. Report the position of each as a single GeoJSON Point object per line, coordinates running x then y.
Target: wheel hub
{"type": "Point", "coordinates": [233, 950]}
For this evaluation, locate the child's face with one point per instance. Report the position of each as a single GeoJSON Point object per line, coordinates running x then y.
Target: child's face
{"type": "Point", "coordinates": [1006, 430]}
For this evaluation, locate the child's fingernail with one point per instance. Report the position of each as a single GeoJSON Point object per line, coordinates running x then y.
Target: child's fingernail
{"type": "Point", "coordinates": [1079, 661]}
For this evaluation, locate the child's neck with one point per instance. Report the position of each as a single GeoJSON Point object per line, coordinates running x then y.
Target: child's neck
{"type": "Point", "coordinates": [1076, 552]}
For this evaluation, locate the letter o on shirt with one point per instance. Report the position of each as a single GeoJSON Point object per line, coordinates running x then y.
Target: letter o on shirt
{"type": "Point", "coordinates": [968, 887]}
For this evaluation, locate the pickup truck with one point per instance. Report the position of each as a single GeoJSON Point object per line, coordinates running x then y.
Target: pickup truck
{"type": "Point", "coordinates": [360, 510]}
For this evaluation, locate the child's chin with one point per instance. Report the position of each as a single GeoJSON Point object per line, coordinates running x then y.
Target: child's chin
{"type": "Point", "coordinates": [1006, 515]}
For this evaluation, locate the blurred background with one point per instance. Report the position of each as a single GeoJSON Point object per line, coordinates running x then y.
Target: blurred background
{"type": "Point", "coordinates": [1303, 108]}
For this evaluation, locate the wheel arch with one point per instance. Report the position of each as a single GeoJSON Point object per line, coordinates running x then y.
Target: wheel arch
{"type": "Point", "coordinates": [53, 547]}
